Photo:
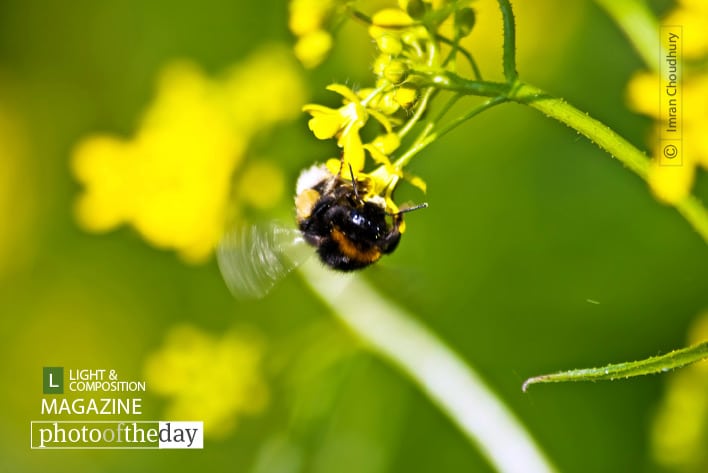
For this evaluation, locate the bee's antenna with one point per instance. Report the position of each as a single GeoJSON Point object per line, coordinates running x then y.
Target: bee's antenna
{"type": "Point", "coordinates": [424, 205]}
{"type": "Point", "coordinates": [354, 183]}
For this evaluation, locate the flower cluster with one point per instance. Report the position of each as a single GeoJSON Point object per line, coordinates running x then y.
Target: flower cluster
{"type": "Point", "coordinates": [173, 180]}
{"type": "Point", "coordinates": [407, 41]}
{"type": "Point", "coordinates": [672, 182]}
{"type": "Point", "coordinates": [208, 378]}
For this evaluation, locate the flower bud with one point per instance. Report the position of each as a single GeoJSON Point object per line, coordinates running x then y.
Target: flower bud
{"type": "Point", "coordinates": [406, 95]}
{"type": "Point", "coordinates": [464, 21]}
{"type": "Point", "coordinates": [388, 104]}
{"type": "Point", "coordinates": [396, 72]}
{"type": "Point", "coordinates": [389, 44]}
{"type": "Point", "coordinates": [380, 64]}
{"type": "Point", "coordinates": [414, 8]}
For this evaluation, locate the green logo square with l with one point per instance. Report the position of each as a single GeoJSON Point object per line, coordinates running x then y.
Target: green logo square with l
{"type": "Point", "coordinates": [53, 380]}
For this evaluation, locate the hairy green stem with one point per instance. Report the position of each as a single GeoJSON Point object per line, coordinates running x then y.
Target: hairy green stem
{"type": "Point", "coordinates": [593, 129]}
{"type": "Point", "coordinates": [392, 333]}
{"type": "Point", "coordinates": [460, 49]}
{"type": "Point", "coordinates": [509, 41]}
{"type": "Point", "coordinates": [420, 109]}
{"type": "Point", "coordinates": [597, 132]}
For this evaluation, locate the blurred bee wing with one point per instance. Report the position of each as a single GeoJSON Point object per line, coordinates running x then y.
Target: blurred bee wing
{"type": "Point", "coordinates": [253, 258]}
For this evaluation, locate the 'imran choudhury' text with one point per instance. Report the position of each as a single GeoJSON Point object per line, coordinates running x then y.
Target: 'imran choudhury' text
{"type": "Point", "coordinates": [672, 83]}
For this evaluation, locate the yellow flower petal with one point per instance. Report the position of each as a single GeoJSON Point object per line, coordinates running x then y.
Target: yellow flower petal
{"type": "Point", "coordinates": [671, 184]}
{"type": "Point", "coordinates": [325, 126]}
{"type": "Point", "coordinates": [387, 143]}
{"type": "Point", "coordinates": [416, 181]}
{"type": "Point", "coordinates": [378, 156]}
{"type": "Point", "coordinates": [104, 165]}
{"type": "Point", "coordinates": [643, 93]}
{"type": "Point", "coordinates": [307, 16]}
{"type": "Point", "coordinates": [353, 148]}
{"type": "Point", "coordinates": [391, 18]}
{"type": "Point", "coordinates": [312, 48]}
{"type": "Point", "coordinates": [344, 91]}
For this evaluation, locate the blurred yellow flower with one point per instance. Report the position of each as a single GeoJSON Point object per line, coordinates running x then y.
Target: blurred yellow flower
{"type": "Point", "coordinates": [692, 15]}
{"type": "Point", "coordinates": [17, 193]}
{"type": "Point", "coordinates": [308, 21]}
{"type": "Point", "coordinates": [173, 180]}
{"type": "Point", "coordinates": [250, 190]}
{"type": "Point", "coordinates": [311, 49]}
{"type": "Point", "coordinates": [679, 434]}
{"type": "Point", "coordinates": [671, 182]}
{"type": "Point", "coordinates": [213, 379]}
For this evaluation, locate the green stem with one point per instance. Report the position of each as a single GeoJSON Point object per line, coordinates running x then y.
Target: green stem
{"type": "Point", "coordinates": [693, 211]}
{"type": "Point", "coordinates": [653, 365]}
{"type": "Point", "coordinates": [690, 208]}
{"type": "Point", "coordinates": [597, 132]}
{"type": "Point", "coordinates": [420, 109]}
{"type": "Point", "coordinates": [509, 41]}
{"type": "Point", "coordinates": [431, 123]}
{"type": "Point", "coordinates": [593, 129]}
{"type": "Point", "coordinates": [470, 59]}
{"type": "Point", "coordinates": [440, 373]}
{"type": "Point", "coordinates": [455, 83]}
{"type": "Point", "coordinates": [427, 138]}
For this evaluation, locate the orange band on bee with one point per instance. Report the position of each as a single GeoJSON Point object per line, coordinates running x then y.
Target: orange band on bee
{"type": "Point", "coordinates": [350, 250]}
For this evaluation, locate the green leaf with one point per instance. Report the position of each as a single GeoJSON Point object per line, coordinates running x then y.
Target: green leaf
{"type": "Point", "coordinates": [653, 365]}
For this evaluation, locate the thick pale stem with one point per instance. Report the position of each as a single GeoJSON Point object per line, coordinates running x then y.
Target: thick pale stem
{"type": "Point", "coordinates": [640, 25]}
{"type": "Point", "coordinates": [440, 373]}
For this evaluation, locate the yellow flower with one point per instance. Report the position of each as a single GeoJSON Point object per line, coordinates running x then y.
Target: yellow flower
{"type": "Point", "coordinates": [680, 430]}
{"type": "Point", "coordinates": [671, 179]}
{"type": "Point", "coordinates": [172, 180]}
{"type": "Point", "coordinates": [308, 21]}
{"type": "Point", "coordinates": [692, 15]}
{"type": "Point", "coordinates": [17, 192]}
{"type": "Point", "coordinates": [671, 184]}
{"type": "Point", "coordinates": [213, 379]}
{"type": "Point", "coordinates": [308, 16]}
{"type": "Point", "coordinates": [345, 123]}
{"type": "Point", "coordinates": [311, 49]}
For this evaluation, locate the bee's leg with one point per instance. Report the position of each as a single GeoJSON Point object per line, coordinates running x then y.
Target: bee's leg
{"type": "Point", "coordinates": [390, 241]}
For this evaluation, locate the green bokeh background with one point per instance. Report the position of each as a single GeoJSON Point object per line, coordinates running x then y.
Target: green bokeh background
{"type": "Point", "coordinates": [528, 224]}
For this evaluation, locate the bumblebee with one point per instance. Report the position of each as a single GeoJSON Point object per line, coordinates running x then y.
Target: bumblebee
{"type": "Point", "coordinates": [348, 231]}
{"type": "Point", "coordinates": [343, 219]}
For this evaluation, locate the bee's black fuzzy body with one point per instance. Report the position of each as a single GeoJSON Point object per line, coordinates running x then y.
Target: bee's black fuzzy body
{"type": "Point", "coordinates": [348, 232]}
